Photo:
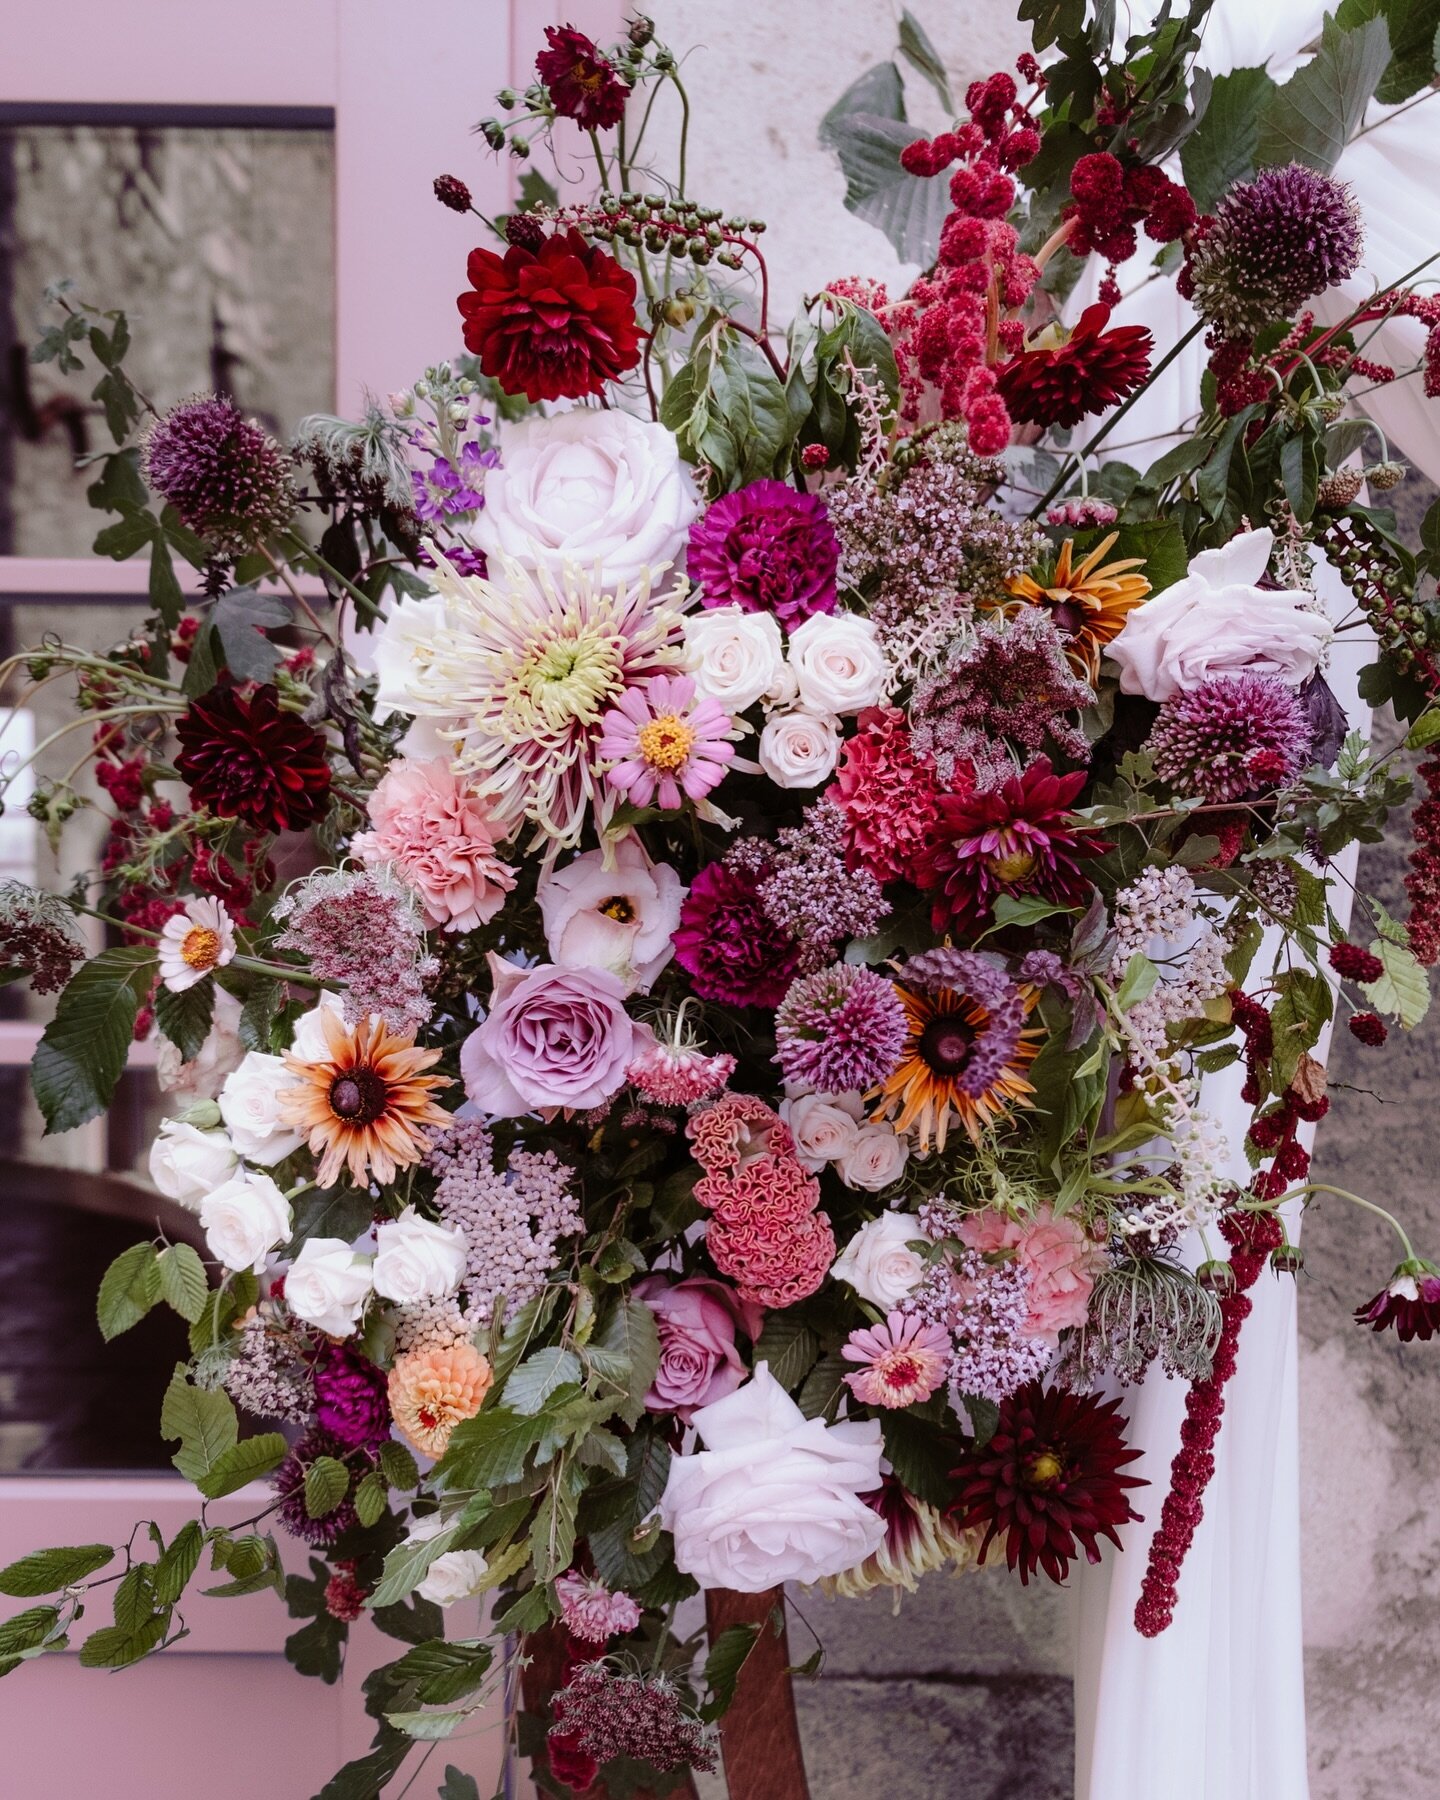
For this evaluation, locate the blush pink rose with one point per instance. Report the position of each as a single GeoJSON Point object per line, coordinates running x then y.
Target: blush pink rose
{"type": "Point", "coordinates": [1059, 1259]}
{"type": "Point", "coordinates": [699, 1362]}
{"type": "Point", "coordinates": [439, 837]}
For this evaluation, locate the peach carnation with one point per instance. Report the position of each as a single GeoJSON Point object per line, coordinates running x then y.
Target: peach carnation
{"type": "Point", "coordinates": [1060, 1264]}
{"type": "Point", "coordinates": [439, 837]}
{"type": "Point", "coordinates": [431, 1391]}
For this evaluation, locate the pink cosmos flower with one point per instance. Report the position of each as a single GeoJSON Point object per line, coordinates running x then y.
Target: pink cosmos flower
{"type": "Point", "coordinates": [589, 1611]}
{"type": "Point", "coordinates": [904, 1360]}
{"type": "Point", "coordinates": [439, 837]}
{"type": "Point", "coordinates": [665, 743]}
{"type": "Point", "coordinates": [1059, 1260]}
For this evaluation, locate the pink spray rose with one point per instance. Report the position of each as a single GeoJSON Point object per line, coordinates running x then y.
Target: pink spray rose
{"type": "Point", "coordinates": [697, 1319]}
{"type": "Point", "coordinates": [439, 838]}
{"type": "Point", "coordinates": [1060, 1261]}
{"type": "Point", "coordinates": [554, 1039]}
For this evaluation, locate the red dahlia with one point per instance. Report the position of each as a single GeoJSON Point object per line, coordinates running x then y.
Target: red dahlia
{"type": "Point", "coordinates": [245, 759]}
{"type": "Point", "coordinates": [583, 84]}
{"type": "Point", "coordinates": [1094, 368]}
{"type": "Point", "coordinates": [553, 323]}
{"type": "Point", "coordinates": [1013, 839]}
{"type": "Point", "coordinates": [1049, 1480]}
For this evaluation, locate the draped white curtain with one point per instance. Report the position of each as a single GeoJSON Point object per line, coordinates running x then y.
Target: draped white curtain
{"type": "Point", "coordinates": [1214, 1708]}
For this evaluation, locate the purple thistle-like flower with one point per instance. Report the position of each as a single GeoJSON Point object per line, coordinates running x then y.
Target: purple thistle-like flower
{"type": "Point", "coordinates": [1273, 243]}
{"type": "Point", "coordinates": [840, 1030]}
{"type": "Point", "coordinates": [1229, 737]}
{"type": "Point", "coordinates": [350, 1398]}
{"type": "Point", "coordinates": [289, 1481]}
{"type": "Point", "coordinates": [766, 548]}
{"type": "Point", "coordinates": [227, 478]}
{"type": "Point", "coordinates": [969, 972]}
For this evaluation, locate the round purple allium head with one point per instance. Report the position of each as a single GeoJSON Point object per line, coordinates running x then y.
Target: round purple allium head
{"type": "Point", "coordinates": [766, 548]}
{"type": "Point", "coordinates": [991, 1049]}
{"type": "Point", "coordinates": [727, 943]}
{"type": "Point", "coordinates": [840, 1030]}
{"type": "Point", "coordinates": [289, 1481]}
{"type": "Point", "coordinates": [1235, 735]}
{"type": "Point", "coordinates": [1274, 243]}
{"type": "Point", "coordinates": [226, 477]}
{"type": "Point", "coordinates": [350, 1399]}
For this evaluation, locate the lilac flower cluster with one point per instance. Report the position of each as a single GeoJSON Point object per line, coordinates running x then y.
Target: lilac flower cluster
{"type": "Point", "coordinates": [984, 1308]}
{"type": "Point", "coordinates": [811, 893]}
{"type": "Point", "coordinates": [362, 930]}
{"type": "Point", "coordinates": [270, 1374]}
{"type": "Point", "coordinates": [840, 1030]}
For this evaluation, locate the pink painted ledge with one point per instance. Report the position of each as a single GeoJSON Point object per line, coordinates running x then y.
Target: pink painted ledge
{"type": "Point", "coordinates": [90, 578]}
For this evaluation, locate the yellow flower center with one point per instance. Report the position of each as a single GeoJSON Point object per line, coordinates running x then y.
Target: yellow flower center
{"type": "Point", "coordinates": [200, 948]}
{"type": "Point", "coordinates": [1044, 1469]}
{"type": "Point", "coordinates": [619, 908]}
{"type": "Point", "coordinates": [561, 682]}
{"type": "Point", "coordinates": [666, 742]}
{"type": "Point", "coordinates": [1012, 865]}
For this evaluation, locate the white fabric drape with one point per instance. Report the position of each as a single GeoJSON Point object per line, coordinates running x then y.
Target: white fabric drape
{"type": "Point", "coordinates": [1214, 1708]}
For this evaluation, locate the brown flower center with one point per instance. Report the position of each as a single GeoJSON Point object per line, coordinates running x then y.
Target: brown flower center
{"type": "Point", "coordinates": [945, 1044]}
{"type": "Point", "coordinates": [620, 908]}
{"type": "Point", "coordinates": [359, 1096]}
{"type": "Point", "coordinates": [200, 948]}
{"type": "Point", "coordinates": [665, 742]}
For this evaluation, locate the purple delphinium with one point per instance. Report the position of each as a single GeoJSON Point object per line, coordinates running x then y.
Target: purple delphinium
{"type": "Point", "coordinates": [727, 943]}
{"type": "Point", "coordinates": [442, 489]}
{"type": "Point", "coordinates": [993, 1046]}
{"type": "Point", "coordinates": [766, 548]}
{"type": "Point", "coordinates": [227, 478]}
{"type": "Point", "coordinates": [1229, 737]}
{"type": "Point", "coordinates": [840, 1030]}
{"type": "Point", "coordinates": [350, 1398]}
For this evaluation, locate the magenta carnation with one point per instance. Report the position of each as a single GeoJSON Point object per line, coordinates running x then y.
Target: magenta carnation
{"type": "Point", "coordinates": [766, 548]}
{"type": "Point", "coordinates": [350, 1398]}
{"type": "Point", "coordinates": [1236, 735]}
{"type": "Point", "coordinates": [840, 1030]}
{"type": "Point", "coordinates": [727, 943]}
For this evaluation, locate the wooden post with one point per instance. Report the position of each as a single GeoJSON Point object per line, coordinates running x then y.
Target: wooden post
{"type": "Point", "coordinates": [760, 1735]}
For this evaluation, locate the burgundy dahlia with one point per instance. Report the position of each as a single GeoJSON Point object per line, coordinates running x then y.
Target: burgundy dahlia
{"type": "Point", "coordinates": [766, 548]}
{"type": "Point", "coordinates": [246, 759]}
{"type": "Point", "coordinates": [1014, 839]}
{"type": "Point", "coordinates": [1226, 738]}
{"type": "Point", "coordinates": [1048, 1481]}
{"type": "Point", "coordinates": [728, 944]}
{"type": "Point", "coordinates": [552, 323]}
{"type": "Point", "coordinates": [350, 1398]}
{"type": "Point", "coordinates": [1092, 370]}
{"type": "Point", "coordinates": [226, 477]}
{"type": "Point", "coordinates": [584, 85]}
{"type": "Point", "coordinates": [1411, 1303]}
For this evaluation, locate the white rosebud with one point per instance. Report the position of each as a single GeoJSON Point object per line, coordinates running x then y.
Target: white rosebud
{"type": "Point", "coordinates": [186, 1163]}
{"type": "Point", "coordinates": [250, 1107]}
{"type": "Point", "coordinates": [837, 662]}
{"type": "Point", "coordinates": [454, 1575]}
{"type": "Point", "coordinates": [416, 1259]}
{"type": "Point", "coordinates": [736, 657]}
{"type": "Point", "coordinates": [798, 750]}
{"type": "Point", "coordinates": [327, 1286]}
{"type": "Point", "coordinates": [878, 1261]}
{"type": "Point", "coordinates": [822, 1125]}
{"type": "Point", "coordinates": [244, 1219]}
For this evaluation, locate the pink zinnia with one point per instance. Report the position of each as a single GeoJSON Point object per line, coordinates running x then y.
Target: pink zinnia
{"type": "Point", "coordinates": [664, 742]}
{"type": "Point", "coordinates": [904, 1360]}
{"type": "Point", "coordinates": [588, 1610]}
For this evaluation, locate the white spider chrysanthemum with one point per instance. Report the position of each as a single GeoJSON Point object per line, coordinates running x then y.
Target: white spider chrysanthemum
{"type": "Point", "coordinates": [521, 673]}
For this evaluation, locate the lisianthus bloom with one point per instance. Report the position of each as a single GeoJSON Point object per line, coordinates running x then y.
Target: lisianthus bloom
{"type": "Point", "coordinates": [591, 1612]}
{"type": "Point", "coordinates": [195, 942]}
{"type": "Point", "coordinates": [1411, 1303]}
{"type": "Point", "coordinates": [583, 85]}
{"type": "Point", "coordinates": [1089, 599]}
{"type": "Point", "coordinates": [1014, 839]}
{"type": "Point", "coordinates": [246, 759]}
{"type": "Point", "coordinates": [1048, 1481]}
{"type": "Point", "coordinates": [901, 1362]}
{"type": "Point", "coordinates": [665, 745]}
{"type": "Point", "coordinates": [766, 548]}
{"type": "Point", "coordinates": [614, 912]}
{"type": "Point", "coordinates": [439, 837]}
{"type": "Point", "coordinates": [366, 1104]}
{"type": "Point", "coordinates": [728, 944]}
{"type": "Point", "coordinates": [431, 1391]}
{"type": "Point", "coordinates": [553, 323]}
{"type": "Point", "coordinates": [1058, 382]}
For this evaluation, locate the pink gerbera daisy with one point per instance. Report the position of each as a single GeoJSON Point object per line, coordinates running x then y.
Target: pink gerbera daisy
{"type": "Point", "coordinates": [904, 1359]}
{"type": "Point", "coordinates": [664, 743]}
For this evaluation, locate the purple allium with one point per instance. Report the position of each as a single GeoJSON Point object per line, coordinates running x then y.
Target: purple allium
{"type": "Point", "coordinates": [1274, 243]}
{"type": "Point", "coordinates": [350, 1400]}
{"type": "Point", "coordinates": [728, 944]}
{"type": "Point", "coordinates": [289, 1482]}
{"type": "Point", "coordinates": [227, 478]}
{"type": "Point", "coordinates": [969, 972]}
{"type": "Point", "coordinates": [1231, 736]}
{"type": "Point", "coordinates": [809, 889]}
{"type": "Point", "coordinates": [840, 1030]}
{"type": "Point", "coordinates": [766, 548]}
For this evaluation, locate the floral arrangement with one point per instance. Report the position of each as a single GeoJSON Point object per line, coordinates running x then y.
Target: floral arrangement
{"type": "Point", "coordinates": [687, 873]}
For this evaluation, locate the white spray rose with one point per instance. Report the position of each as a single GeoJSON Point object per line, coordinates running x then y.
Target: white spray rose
{"type": "Point", "coordinates": [327, 1285]}
{"type": "Point", "coordinates": [187, 1163]}
{"type": "Point", "coordinates": [244, 1219]}
{"type": "Point", "coordinates": [798, 750]}
{"type": "Point", "coordinates": [401, 648]}
{"type": "Point", "coordinates": [454, 1574]}
{"type": "Point", "coordinates": [736, 657]}
{"type": "Point", "coordinates": [307, 1039]}
{"type": "Point", "coordinates": [823, 1127]}
{"type": "Point", "coordinates": [876, 1158]}
{"type": "Point", "coordinates": [203, 1076]}
{"type": "Point", "coordinates": [838, 665]}
{"type": "Point", "coordinates": [417, 1259]}
{"type": "Point", "coordinates": [250, 1107]}
{"type": "Point", "coordinates": [878, 1261]}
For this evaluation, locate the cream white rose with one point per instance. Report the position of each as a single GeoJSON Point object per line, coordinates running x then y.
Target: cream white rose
{"type": "Point", "coordinates": [798, 750]}
{"type": "Point", "coordinates": [736, 657]}
{"type": "Point", "coordinates": [594, 489]}
{"type": "Point", "coordinates": [774, 1496]}
{"type": "Point", "coordinates": [250, 1107]}
{"type": "Point", "coordinates": [187, 1163]}
{"type": "Point", "coordinates": [307, 1039]}
{"type": "Point", "coordinates": [878, 1261]}
{"type": "Point", "coordinates": [837, 663]}
{"type": "Point", "coordinates": [204, 1075]}
{"type": "Point", "coordinates": [399, 650]}
{"type": "Point", "coordinates": [244, 1219]}
{"type": "Point", "coordinates": [327, 1285]}
{"type": "Point", "coordinates": [822, 1126]}
{"type": "Point", "coordinates": [417, 1259]}
{"type": "Point", "coordinates": [1217, 622]}
{"type": "Point", "coordinates": [875, 1158]}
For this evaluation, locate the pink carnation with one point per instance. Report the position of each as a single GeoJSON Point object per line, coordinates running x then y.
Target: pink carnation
{"type": "Point", "coordinates": [1059, 1260]}
{"type": "Point", "coordinates": [678, 1074]}
{"type": "Point", "coordinates": [887, 793]}
{"type": "Point", "coordinates": [589, 1611]}
{"type": "Point", "coordinates": [439, 837]}
{"type": "Point", "coordinates": [697, 1320]}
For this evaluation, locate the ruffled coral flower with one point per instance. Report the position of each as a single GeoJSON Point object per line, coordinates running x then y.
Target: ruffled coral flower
{"type": "Point", "coordinates": [665, 744]}
{"type": "Point", "coordinates": [366, 1104]}
{"type": "Point", "coordinates": [1089, 599]}
{"type": "Point", "coordinates": [1060, 383]}
{"type": "Point", "coordinates": [902, 1361]}
{"type": "Point", "coordinates": [1048, 1481]}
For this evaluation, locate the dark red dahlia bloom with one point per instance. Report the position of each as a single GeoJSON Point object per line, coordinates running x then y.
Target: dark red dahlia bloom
{"type": "Point", "coordinates": [245, 759]}
{"type": "Point", "coordinates": [1093, 369]}
{"type": "Point", "coordinates": [730, 947]}
{"type": "Point", "coordinates": [766, 548]}
{"type": "Point", "coordinates": [1411, 1303]}
{"type": "Point", "coordinates": [1048, 1481]}
{"type": "Point", "coordinates": [584, 85]}
{"type": "Point", "coordinates": [1010, 840]}
{"type": "Point", "coordinates": [570, 1762]}
{"type": "Point", "coordinates": [553, 323]}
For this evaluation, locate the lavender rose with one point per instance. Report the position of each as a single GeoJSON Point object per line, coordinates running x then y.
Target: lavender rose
{"type": "Point", "coordinates": [554, 1039]}
{"type": "Point", "coordinates": [697, 1320]}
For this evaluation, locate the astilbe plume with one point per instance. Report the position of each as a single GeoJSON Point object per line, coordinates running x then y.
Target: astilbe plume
{"type": "Point", "coordinates": [362, 930]}
{"type": "Point", "coordinates": [228, 479]}
{"type": "Point", "coordinates": [840, 1030]}
{"type": "Point", "coordinates": [1231, 737]}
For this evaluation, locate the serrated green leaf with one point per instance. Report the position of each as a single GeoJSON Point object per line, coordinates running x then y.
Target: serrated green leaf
{"type": "Point", "coordinates": [363, 1778]}
{"type": "Point", "coordinates": [427, 1727]}
{"type": "Point", "coordinates": [178, 1562]}
{"type": "Point", "coordinates": [1137, 982]}
{"type": "Point", "coordinates": [521, 1331]}
{"type": "Point", "coordinates": [26, 1630]}
{"type": "Point", "coordinates": [445, 1672]}
{"type": "Point", "coordinates": [222, 1306]}
{"type": "Point", "coordinates": [728, 1656]}
{"type": "Point", "coordinates": [1403, 990]}
{"type": "Point", "coordinates": [185, 1018]}
{"type": "Point", "coordinates": [181, 1277]}
{"type": "Point", "coordinates": [415, 1621]}
{"type": "Point", "coordinates": [1319, 109]}
{"type": "Point", "coordinates": [789, 1346]}
{"type": "Point", "coordinates": [370, 1498]}
{"type": "Point", "coordinates": [457, 1785]}
{"type": "Point", "coordinates": [243, 1462]}
{"type": "Point", "coordinates": [203, 1419]}
{"type": "Point", "coordinates": [1223, 146]}
{"type": "Point", "coordinates": [921, 54]}
{"type": "Point", "coordinates": [128, 1289]}
{"type": "Point", "coordinates": [47, 1571]}
{"type": "Point", "coordinates": [398, 1466]}
{"type": "Point", "coordinates": [112, 1647]}
{"type": "Point", "coordinates": [538, 1378]}
{"type": "Point", "coordinates": [82, 1053]}
{"type": "Point", "coordinates": [1424, 731]}
{"type": "Point", "coordinates": [489, 1450]}
{"type": "Point", "coordinates": [406, 1564]}
{"type": "Point", "coordinates": [317, 1649]}
{"type": "Point", "coordinates": [134, 1599]}
{"type": "Point", "coordinates": [327, 1482]}
{"type": "Point", "coordinates": [626, 1352]}
{"type": "Point", "coordinates": [241, 618]}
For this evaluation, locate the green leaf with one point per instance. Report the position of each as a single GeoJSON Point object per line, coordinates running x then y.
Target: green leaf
{"type": "Point", "coordinates": [318, 1648]}
{"type": "Point", "coordinates": [627, 1352]}
{"type": "Point", "coordinates": [489, 1450]}
{"type": "Point", "coordinates": [203, 668]}
{"type": "Point", "coordinates": [406, 1564]}
{"type": "Point", "coordinates": [537, 1378]}
{"type": "Point", "coordinates": [113, 1647]}
{"type": "Point", "coordinates": [427, 1727]}
{"type": "Point", "coordinates": [1026, 909]}
{"type": "Point", "coordinates": [82, 1053]}
{"type": "Point", "coordinates": [1137, 983]}
{"type": "Point", "coordinates": [1223, 146]}
{"type": "Point", "coordinates": [1301, 1011]}
{"type": "Point", "coordinates": [222, 1307]}
{"type": "Point", "coordinates": [185, 1018]}
{"type": "Point", "coordinates": [241, 619]}
{"type": "Point", "coordinates": [330, 1212]}
{"type": "Point", "coordinates": [47, 1571]}
{"type": "Point", "coordinates": [132, 532]}
{"type": "Point", "coordinates": [444, 1672]}
{"type": "Point", "coordinates": [370, 1498]}
{"type": "Point", "coordinates": [416, 1622]}
{"type": "Point", "coordinates": [1403, 990]}
{"type": "Point", "coordinates": [181, 1276]}
{"type": "Point", "coordinates": [984, 1417]}
{"type": "Point", "coordinates": [398, 1466]}
{"type": "Point", "coordinates": [920, 1457]}
{"type": "Point", "coordinates": [364, 1778]}
{"type": "Point", "coordinates": [457, 1785]}
{"type": "Point", "coordinates": [789, 1346]}
{"type": "Point", "coordinates": [165, 591]}
{"type": "Point", "coordinates": [128, 1289]}
{"type": "Point", "coordinates": [135, 1598]}
{"type": "Point", "coordinates": [553, 1538]}
{"type": "Point", "coordinates": [1319, 109]}
{"type": "Point", "coordinates": [823, 1386]}
{"type": "Point", "coordinates": [922, 55]}
{"type": "Point", "coordinates": [1424, 731]}
{"type": "Point", "coordinates": [23, 1631]}
{"type": "Point", "coordinates": [204, 1421]}
{"type": "Point", "coordinates": [327, 1482]}
{"type": "Point", "coordinates": [908, 209]}
{"type": "Point", "coordinates": [1414, 26]}
{"type": "Point", "coordinates": [244, 1462]}
{"type": "Point", "coordinates": [728, 1656]}
{"type": "Point", "coordinates": [178, 1562]}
